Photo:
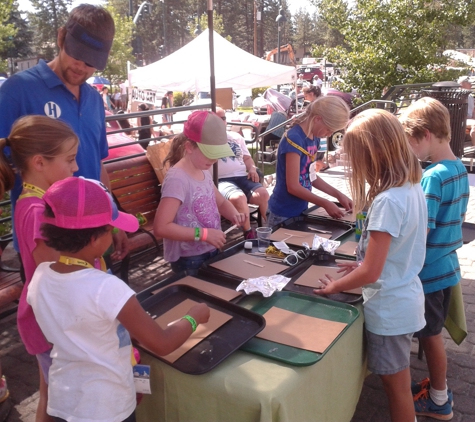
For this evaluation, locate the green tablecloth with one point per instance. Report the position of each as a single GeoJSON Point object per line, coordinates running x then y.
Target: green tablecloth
{"type": "Point", "coordinates": [248, 388]}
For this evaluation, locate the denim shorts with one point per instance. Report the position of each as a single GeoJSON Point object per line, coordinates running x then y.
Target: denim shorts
{"type": "Point", "coordinates": [274, 219]}
{"type": "Point", "coordinates": [436, 310]}
{"type": "Point", "coordinates": [192, 263]}
{"type": "Point", "coordinates": [227, 186]}
{"type": "Point", "coordinates": [388, 354]}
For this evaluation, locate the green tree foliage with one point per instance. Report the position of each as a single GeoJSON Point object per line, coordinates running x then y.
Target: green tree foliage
{"type": "Point", "coordinates": [48, 17]}
{"type": "Point", "coordinates": [218, 26]}
{"type": "Point", "coordinates": [20, 47]}
{"type": "Point", "coordinates": [234, 20]}
{"type": "Point", "coordinates": [7, 32]}
{"type": "Point", "coordinates": [121, 50]}
{"type": "Point", "coordinates": [305, 31]}
{"type": "Point", "coordinates": [390, 42]}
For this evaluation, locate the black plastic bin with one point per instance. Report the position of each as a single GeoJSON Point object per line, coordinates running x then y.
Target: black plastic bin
{"type": "Point", "coordinates": [455, 99]}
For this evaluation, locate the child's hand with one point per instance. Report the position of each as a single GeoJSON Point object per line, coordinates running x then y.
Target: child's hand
{"type": "Point", "coordinates": [329, 286]}
{"type": "Point", "coordinates": [347, 267]}
{"type": "Point", "coordinates": [345, 202]}
{"type": "Point", "coordinates": [215, 237]}
{"type": "Point", "coordinates": [239, 218]}
{"type": "Point", "coordinates": [121, 247]}
{"type": "Point", "coordinates": [200, 313]}
{"type": "Point", "coordinates": [333, 210]}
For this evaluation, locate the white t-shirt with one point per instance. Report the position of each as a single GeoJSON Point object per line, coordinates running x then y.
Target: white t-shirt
{"type": "Point", "coordinates": [234, 166]}
{"type": "Point", "coordinates": [394, 304]}
{"type": "Point", "coordinates": [91, 374]}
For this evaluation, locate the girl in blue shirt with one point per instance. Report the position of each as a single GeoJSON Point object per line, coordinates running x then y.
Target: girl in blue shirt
{"type": "Point", "coordinates": [296, 162]}
{"type": "Point", "coordinates": [385, 178]}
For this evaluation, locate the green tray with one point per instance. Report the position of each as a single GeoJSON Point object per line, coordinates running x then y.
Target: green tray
{"type": "Point", "coordinates": [305, 305]}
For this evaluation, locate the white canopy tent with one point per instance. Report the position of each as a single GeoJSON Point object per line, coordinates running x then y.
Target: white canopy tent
{"type": "Point", "coordinates": [459, 56]}
{"type": "Point", "coordinates": [188, 69]}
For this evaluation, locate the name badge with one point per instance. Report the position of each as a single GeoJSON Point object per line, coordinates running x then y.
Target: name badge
{"type": "Point", "coordinates": [142, 379]}
{"type": "Point", "coordinates": [313, 171]}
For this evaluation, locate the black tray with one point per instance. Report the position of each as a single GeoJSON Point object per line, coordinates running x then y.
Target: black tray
{"type": "Point", "coordinates": [224, 280]}
{"type": "Point", "coordinates": [302, 223]}
{"type": "Point", "coordinates": [207, 270]}
{"type": "Point", "coordinates": [244, 325]}
{"type": "Point", "coordinates": [319, 217]}
{"type": "Point", "coordinates": [326, 260]}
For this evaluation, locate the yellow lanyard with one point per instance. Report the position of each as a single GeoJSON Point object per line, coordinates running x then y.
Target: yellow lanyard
{"type": "Point", "coordinates": [74, 261]}
{"type": "Point", "coordinates": [67, 260]}
{"type": "Point", "coordinates": [35, 191]}
{"type": "Point", "coordinates": [312, 156]}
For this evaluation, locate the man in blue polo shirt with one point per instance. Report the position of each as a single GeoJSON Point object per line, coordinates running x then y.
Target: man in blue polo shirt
{"type": "Point", "coordinates": [58, 89]}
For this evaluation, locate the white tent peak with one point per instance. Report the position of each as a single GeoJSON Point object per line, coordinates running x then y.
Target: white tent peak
{"type": "Point", "coordinates": [188, 69]}
{"type": "Point", "coordinates": [459, 56]}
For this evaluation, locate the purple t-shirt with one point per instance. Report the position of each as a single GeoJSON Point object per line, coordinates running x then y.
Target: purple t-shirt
{"type": "Point", "coordinates": [198, 209]}
{"type": "Point", "coordinates": [28, 218]}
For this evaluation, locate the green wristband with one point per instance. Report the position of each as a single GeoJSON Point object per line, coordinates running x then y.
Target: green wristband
{"type": "Point", "coordinates": [192, 321]}
{"type": "Point", "coordinates": [197, 234]}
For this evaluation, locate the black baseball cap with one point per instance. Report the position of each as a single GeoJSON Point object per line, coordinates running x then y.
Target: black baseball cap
{"type": "Point", "coordinates": [82, 45]}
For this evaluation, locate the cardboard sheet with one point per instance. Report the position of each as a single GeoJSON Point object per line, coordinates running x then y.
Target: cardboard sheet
{"type": "Point", "coordinates": [311, 277]}
{"type": "Point", "coordinates": [347, 248]}
{"type": "Point", "coordinates": [205, 286]}
{"type": "Point", "coordinates": [321, 212]}
{"type": "Point", "coordinates": [247, 266]}
{"type": "Point", "coordinates": [216, 320]}
{"type": "Point", "coordinates": [295, 237]}
{"type": "Point", "coordinates": [301, 331]}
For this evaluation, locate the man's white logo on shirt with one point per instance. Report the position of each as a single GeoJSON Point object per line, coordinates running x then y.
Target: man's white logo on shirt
{"type": "Point", "coordinates": [52, 110]}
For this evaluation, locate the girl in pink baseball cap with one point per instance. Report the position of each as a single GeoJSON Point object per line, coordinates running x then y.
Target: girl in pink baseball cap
{"type": "Point", "coordinates": [188, 217]}
{"type": "Point", "coordinates": [89, 315]}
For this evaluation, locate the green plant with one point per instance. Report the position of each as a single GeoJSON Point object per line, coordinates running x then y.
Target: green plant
{"type": "Point", "coordinates": [257, 91]}
{"type": "Point", "coordinates": [177, 99]}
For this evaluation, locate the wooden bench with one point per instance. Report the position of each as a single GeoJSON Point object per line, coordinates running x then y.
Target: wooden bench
{"type": "Point", "coordinates": [137, 190]}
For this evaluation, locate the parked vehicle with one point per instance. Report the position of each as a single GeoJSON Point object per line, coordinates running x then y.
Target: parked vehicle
{"type": "Point", "coordinates": [336, 140]}
{"type": "Point", "coordinates": [285, 90]}
{"type": "Point", "coordinates": [309, 72]}
{"type": "Point", "coordinates": [119, 139]}
{"type": "Point", "coordinates": [259, 105]}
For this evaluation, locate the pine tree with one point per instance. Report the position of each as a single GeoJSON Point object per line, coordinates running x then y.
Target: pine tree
{"type": "Point", "coordinates": [48, 17]}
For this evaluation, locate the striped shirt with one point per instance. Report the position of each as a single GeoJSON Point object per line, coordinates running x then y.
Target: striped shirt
{"type": "Point", "coordinates": [446, 189]}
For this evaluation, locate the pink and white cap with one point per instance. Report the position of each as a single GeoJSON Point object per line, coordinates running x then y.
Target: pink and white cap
{"type": "Point", "coordinates": [80, 203]}
{"type": "Point", "coordinates": [209, 132]}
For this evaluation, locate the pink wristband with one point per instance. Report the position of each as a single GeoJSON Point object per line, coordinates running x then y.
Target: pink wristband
{"type": "Point", "coordinates": [204, 235]}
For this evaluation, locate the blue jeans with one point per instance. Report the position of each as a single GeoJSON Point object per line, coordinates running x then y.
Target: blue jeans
{"type": "Point", "coordinates": [192, 263]}
{"type": "Point", "coordinates": [274, 219]}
